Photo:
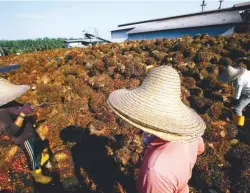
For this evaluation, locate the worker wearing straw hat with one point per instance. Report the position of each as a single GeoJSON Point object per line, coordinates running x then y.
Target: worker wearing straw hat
{"type": "Point", "coordinates": [25, 136]}
{"type": "Point", "coordinates": [175, 130]}
{"type": "Point", "coordinates": [240, 79]}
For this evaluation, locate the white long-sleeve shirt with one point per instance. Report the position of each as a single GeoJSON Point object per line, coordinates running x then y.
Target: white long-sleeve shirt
{"type": "Point", "coordinates": [242, 85]}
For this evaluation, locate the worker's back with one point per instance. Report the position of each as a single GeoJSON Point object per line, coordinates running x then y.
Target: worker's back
{"type": "Point", "coordinates": [167, 166]}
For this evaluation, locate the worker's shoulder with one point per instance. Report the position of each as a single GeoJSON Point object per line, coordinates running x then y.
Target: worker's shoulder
{"type": "Point", "coordinates": [244, 77]}
{"type": "Point", "coordinates": [169, 153]}
{"type": "Point", "coordinates": [247, 74]}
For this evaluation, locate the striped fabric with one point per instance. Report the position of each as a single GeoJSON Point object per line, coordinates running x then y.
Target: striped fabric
{"type": "Point", "coordinates": [31, 154]}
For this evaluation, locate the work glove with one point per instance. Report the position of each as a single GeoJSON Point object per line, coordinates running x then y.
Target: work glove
{"type": "Point", "coordinates": [27, 109]}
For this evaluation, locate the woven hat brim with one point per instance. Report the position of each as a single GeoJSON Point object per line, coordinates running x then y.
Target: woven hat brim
{"type": "Point", "coordinates": [181, 125]}
{"type": "Point", "coordinates": [224, 77]}
{"type": "Point", "coordinates": [13, 93]}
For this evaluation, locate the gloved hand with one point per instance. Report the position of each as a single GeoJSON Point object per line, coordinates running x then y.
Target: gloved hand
{"type": "Point", "coordinates": [9, 115]}
{"type": "Point", "coordinates": [26, 109]}
{"type": "Point", "coordinates": [31, 116]}
{"type": "Point", "coordinates": [8, 126]}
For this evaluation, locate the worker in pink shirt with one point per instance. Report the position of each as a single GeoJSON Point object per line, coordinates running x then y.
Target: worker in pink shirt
{"type": "Point", "coordinates": [173, 130]}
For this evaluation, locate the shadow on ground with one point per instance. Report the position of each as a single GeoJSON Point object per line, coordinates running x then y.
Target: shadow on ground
{"type": "Point", "coordinates": [89, 153]}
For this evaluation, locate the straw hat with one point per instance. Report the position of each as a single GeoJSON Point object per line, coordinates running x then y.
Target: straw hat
{"type": "Point", "coordinates": [230, 74]}
{"type": "Point", "coordinates": [10, 92]}
{"type": "Point", "coordinates": [156, 107]}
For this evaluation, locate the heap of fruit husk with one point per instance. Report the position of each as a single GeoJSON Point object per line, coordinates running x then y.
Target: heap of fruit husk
{"type": "Point", "coordinates": [95, 151]}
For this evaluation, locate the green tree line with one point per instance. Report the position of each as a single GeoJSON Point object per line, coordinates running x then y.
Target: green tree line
{"type": "Point", "coordinates": [25, 46]}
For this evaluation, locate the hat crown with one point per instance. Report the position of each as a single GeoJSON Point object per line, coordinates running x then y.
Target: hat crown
{"type": "Point", "coordinates": [164, 82]}
{"type": "Point", "coordinates": [230, 74]}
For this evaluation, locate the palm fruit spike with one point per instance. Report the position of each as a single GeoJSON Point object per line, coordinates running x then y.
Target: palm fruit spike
{"type": "Point", "coordinates": [148, 68]}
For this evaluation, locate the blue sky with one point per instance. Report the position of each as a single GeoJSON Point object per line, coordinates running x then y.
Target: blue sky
{"type": "Point", "coordinates": [38, 19]}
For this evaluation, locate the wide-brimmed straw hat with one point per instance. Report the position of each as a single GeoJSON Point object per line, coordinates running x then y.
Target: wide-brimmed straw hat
{"type": "Point", "coordinates": [230, 74]}
{"type": "Point", "coordinates": [10, 92]}
{"type": "Point", "coordinates": [156, 107]}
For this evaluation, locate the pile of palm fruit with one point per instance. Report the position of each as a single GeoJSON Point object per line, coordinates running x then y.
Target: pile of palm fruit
{"type": "Point", "coordinates": [93, 150]}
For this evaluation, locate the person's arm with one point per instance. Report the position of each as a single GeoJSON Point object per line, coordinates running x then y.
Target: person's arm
{"type": "Point", "coordinates": [7, 125]}
{"type": "Point", "coordinates": [238, 86]}
{"type": "Point", "coordinates": [201, 146]}
{"type": "Point", "coordinates": [6, 122]}
{"type": "Point", "coordinates": [238, 90]}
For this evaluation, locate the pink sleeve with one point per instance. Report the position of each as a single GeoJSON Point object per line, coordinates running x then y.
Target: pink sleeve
{"type": "Point", "coordinates": [201, 146]}
{"type": "Point", "coordinates": [153, 182]}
